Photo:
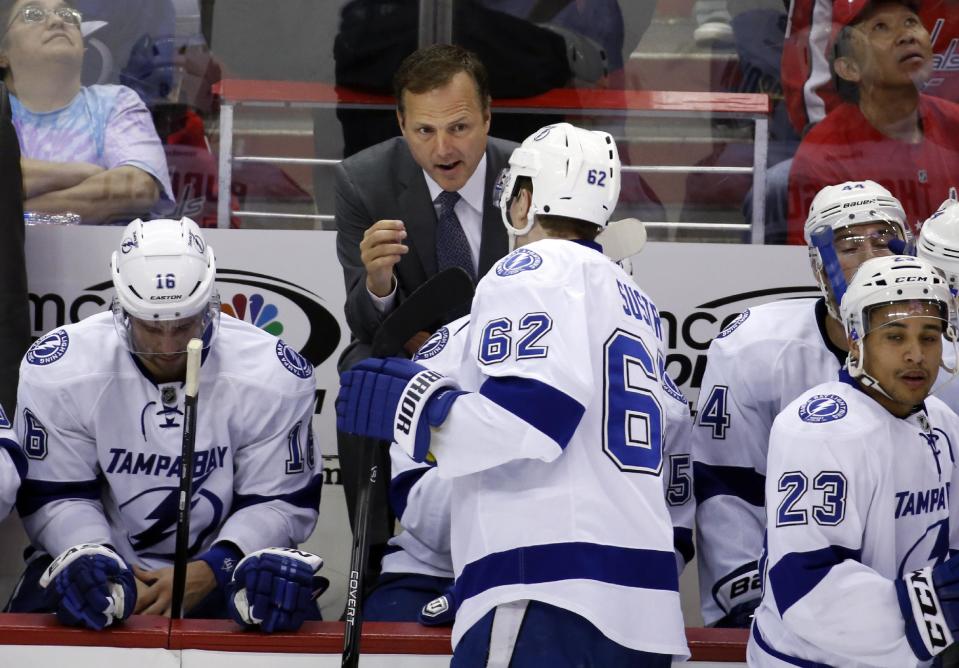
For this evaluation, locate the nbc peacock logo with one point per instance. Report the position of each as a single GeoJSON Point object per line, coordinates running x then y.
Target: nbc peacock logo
{"type": "Point", "coordinates": [255, 310]}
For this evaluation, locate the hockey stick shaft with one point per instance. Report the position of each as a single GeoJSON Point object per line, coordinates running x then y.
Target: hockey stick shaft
{"type": "Point", "coordinates": [822, 239]}
{"type": "Point", "coordinates": [441, 293]}
{"type": "Point", "coordinates": [191, 390]}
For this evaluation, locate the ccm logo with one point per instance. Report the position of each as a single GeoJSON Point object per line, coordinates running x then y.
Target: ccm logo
{"type": "Point", "coordinates": [924, 595]}
{"type": "Point", "coordinates": [911, 279]}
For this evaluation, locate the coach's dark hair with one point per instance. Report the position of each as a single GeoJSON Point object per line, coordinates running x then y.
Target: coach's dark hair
{"type": "Point", "coordinates": [435, 66]}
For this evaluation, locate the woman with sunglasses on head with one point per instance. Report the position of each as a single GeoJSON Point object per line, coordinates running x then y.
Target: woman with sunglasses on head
{"type": "Point", "coordinates": [89, 150]}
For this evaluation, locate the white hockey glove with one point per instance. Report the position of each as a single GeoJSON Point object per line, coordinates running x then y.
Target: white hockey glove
{"type": "Point", "coordinates": [92, 586]}
{"type": "Point", "coordinates": [929, 600]}
{"type": "Point", "coordinates": [275, 589]}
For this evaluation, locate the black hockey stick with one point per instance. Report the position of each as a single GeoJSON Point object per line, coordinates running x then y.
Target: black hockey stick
{"type": "Point", "coordinates": [420, 311]}
{"type": "Point", "coordinates": [185, 495]}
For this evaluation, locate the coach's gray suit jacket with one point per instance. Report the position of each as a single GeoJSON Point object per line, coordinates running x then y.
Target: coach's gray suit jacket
{"type": "Point", "coordinates": [384, 182]}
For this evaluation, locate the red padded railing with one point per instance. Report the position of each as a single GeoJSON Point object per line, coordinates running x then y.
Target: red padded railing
{"type": "Point", "coordinates": [150, 631]}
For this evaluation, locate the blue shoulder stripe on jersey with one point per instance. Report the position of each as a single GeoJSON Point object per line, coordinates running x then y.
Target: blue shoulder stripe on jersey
{"type": "Point", "coordinates": [797, 573]}
{"type": "Point", "coordinates": [34, 494]}
{"type": "Point", "coordinates": [549, 410]}
{"type": "Point", "coordinates": [307, 496]}
{"type": "Point", "coordinates": [739, 481]}
{"type": "Point", "coordinates": [401, 486]}
{"type": "Point", "coordinates": [554, 562]}
{"type": "Point", "coordinates": [16, 454]}
{"type": "Point", "coordinates": [683, 543]}
{"type": "Point", "coordinates": [805, 663]}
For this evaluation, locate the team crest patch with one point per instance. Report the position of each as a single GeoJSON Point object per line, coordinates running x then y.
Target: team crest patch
{"type": "Point", "coordinates": [4, 420]}
{"type": "Point", "coordinates": [294, 362]}
{"type": "Point", "coordinates": [434, 345]}
{"type": "Point", "coordinates": [823, 408]}
{"type": "Point", "coordinates": [48, 349]}
{"type": "Point", "coordinates": [731, 327]}
{"type": "Point", "coordinates": [517, 261]}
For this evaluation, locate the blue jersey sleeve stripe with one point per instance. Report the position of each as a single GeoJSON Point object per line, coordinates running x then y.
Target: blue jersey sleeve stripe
{"type": "Point", "coordinates": [401, 486]}
{"type": "Point", "coordinates": [16, 454]}
{"type": "Point", "coordinates": [34, 494]}
{"type": "Point", "coordinates": [741, 482]}
{"type": "Point", "coordinates": [768, 649]}
{"type": "Point", "coordinates": [549, 410]}
{"type": "Point", "coordinates": [797, 573]}
{"type": "Point", "coordinates": [554, 562]}
{"type": "Point", "coordinates": [305, 497]}
{"type": "Point", "coordinates": [683, 543]}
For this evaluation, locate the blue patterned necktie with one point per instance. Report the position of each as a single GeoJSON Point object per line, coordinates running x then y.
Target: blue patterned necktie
{"type": "Point", "coordinates": [452, 247]}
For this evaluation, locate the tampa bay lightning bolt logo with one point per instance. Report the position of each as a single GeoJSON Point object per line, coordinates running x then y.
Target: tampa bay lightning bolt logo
{"type": "Point", "coordinates": [48, 349]}
{"type": "Point", "coordinates": [543, 134]}
{"type": "Point", "coordinates": [823, 408]}
{"type": "Point", "coordinates": [129, 244]}
{"type": "Point", "coordinates": [4, 420]}
{"type": "Point", "coordinates": [197, 242]}
{"type": "Point", "coordinates": [517, 261]}
{"type": "Point", "coordinates": [434, 345]}
{"type": "Point", "coordinates": [731, 327]}
{"type": "Point", "coordinates": [931, 549]}
{"type": "Point", "coordinates": [293, 361]}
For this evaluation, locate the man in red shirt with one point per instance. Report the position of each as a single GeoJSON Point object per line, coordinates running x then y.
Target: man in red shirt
{"type": "Point", "coordinates": [884, 129]}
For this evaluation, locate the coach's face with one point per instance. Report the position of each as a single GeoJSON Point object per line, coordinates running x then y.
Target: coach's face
{"type": "Point", "coordinates": [446, 130]}
{"type": "Point", "coordinates": [903, 352]}
{"type": "Point", "coordinates": [161, 346]}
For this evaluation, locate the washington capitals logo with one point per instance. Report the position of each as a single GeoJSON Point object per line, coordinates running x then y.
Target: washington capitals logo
{"type": "Point", "coordinates": [823, 408]}
{"type": "Point", "coordinates": [434, 345]}
{"type": "Point", "coordinates": [48, 349]}
{"type": "Point", "coordinates": [260, 313]}
{"type": "Point", "coordinates": [517, 261]}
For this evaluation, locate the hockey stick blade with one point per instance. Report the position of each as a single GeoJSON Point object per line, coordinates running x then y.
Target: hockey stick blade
{"type": "Point", "coordinates": [822, 238]}
{"type": "Point", "coordinates": [622, 239]}
{"type": "Point", "coordinates": [194, 350]}
{"type": "Point", "coordinates": [422, 310]}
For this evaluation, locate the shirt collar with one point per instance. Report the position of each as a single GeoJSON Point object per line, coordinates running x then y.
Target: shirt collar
{"type": "Point", "coordinates": [471, 192]}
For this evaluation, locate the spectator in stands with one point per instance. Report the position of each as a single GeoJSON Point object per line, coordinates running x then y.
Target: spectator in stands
{"type": "Point", "coordinates": [886, 130]}
{"type": "Point", "coordinates": [412, 205]}
{"type": "Point", "coordinates": [88, 150]}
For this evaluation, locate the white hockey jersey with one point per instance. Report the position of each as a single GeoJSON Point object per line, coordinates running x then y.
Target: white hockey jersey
{"type": "Point", "coordinates": [104, 442]}
{"type": "Point", "coordinates": [13, 465]}
{"type": "Point", "coordinates": [763, 360]}
{"type": "Point", "coordinates": [856, 498]}
{"type": "Point", "coordinates": [421, 498]}
{"type": "Point", "coordinates": [557, 457]}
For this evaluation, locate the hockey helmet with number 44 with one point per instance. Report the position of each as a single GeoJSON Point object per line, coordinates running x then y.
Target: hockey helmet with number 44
{"type": "Point", "coordinates": [164, 275]}
{"type": "Point", "coordinates": [908, 282]}
{"type": "Point", "coordinates": [575, 174]}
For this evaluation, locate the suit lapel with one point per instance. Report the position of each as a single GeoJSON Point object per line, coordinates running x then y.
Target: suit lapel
{"type": "Point", "coordinates": [419, 216]}
{"type": "Point", "coordinates": [494, 242]}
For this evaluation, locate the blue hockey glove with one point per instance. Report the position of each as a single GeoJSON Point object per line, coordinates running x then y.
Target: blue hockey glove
{"type": "Point", "coordinates": [275, 589]}
{"type": "Point", "coordinates": [441, 611]}
{"type": "Point", "coordinates": [929, 600]}
{"type": "Point", "coordinates": [91, 586]}
{"type": "Point", "coordinates": [389, 398]}
{"type": "Point", "coordinates": [740, 617]}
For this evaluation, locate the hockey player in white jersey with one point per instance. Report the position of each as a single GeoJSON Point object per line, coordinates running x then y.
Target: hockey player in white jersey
{"type": "Point", "coordinates": [766, 358]}
{"type": "Point", "coordinates": [938, 244]}
{"type": "Point", "coordinates": [100, 409]}
{"type": "Point", "coordinates": [13, 465]}
{"type": "Point", "coordinates": [561, 540]}
{"type": "Point", "coordinates": [857, 569]}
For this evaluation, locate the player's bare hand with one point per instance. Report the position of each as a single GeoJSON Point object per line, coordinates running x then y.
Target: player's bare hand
{"type": "Point", "coordinates": [155, 588]}
{"type": "Point", "coordinates": [416, 342]}
{"type": "Point", "coordinates": [381, 248]}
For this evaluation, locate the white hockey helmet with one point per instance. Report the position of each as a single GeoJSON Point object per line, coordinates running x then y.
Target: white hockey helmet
{"type": "Point", "coordinates": [575, 174]}
{"type": "Point", "coordinates": [847, 205]}
{"type": "Point", "coordinates": [163, 272]}
{"type": "Point", "coordinates": [939, 242]}
{"type": "Point", "coordinates": [882, 281]}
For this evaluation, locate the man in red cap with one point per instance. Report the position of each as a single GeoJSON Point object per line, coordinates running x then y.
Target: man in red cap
{"type": "Point", "coordinates": [885, 129]}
